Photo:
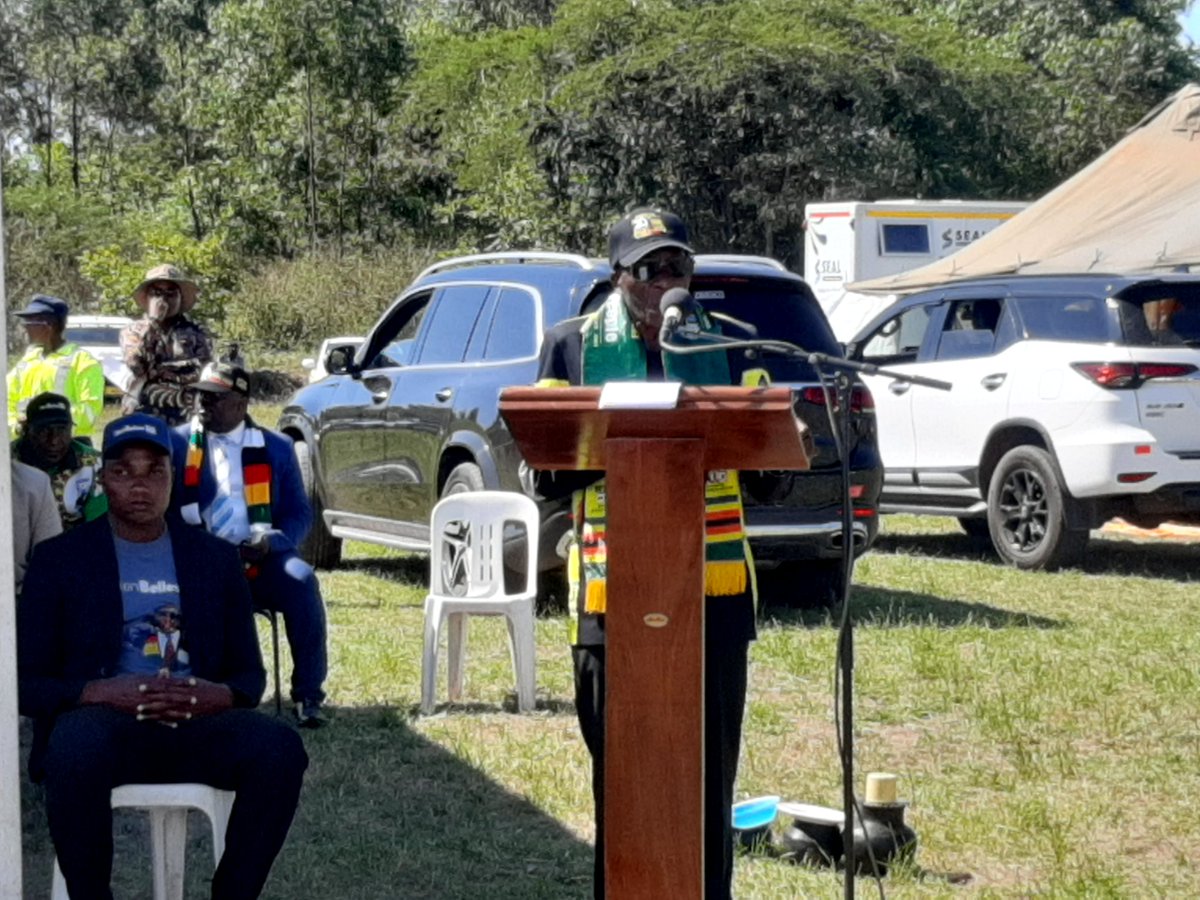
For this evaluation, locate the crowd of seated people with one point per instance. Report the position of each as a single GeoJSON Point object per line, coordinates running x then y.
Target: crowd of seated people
{"type": "Point", "coordinates": [139, 661]}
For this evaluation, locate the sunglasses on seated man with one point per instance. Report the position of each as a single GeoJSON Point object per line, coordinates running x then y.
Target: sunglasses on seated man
{"type": "Point", "coordinates": [678, 266]}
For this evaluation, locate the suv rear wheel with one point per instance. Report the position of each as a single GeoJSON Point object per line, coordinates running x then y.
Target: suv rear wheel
{"type": "Point", "coordinates": [1027, 512]}
{"type": "Point", "coordinates": [319, 547]}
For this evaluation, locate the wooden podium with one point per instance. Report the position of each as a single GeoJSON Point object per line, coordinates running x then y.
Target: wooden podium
{"type": "Point", "coordinates": [656, 463]}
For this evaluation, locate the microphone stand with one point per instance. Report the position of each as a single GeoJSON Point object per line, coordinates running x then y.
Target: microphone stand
{"type": "Point", "coordinates": [845, 653]}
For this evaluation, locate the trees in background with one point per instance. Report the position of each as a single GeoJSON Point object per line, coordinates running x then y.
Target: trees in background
{"type": "Point", "coordinates": [229, 134]}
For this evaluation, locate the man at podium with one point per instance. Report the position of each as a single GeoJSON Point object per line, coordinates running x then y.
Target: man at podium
{"type": "Point", "coordinates": [650, 255]}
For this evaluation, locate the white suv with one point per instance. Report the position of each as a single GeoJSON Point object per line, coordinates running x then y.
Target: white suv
{"type": "Point", "coordinates": [101, 337]}
{"type": "Point", "coordinates": [1076, 399]}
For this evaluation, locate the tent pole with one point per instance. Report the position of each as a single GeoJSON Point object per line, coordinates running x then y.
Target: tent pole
{"type": "Point", "coordinates": [10, 780]}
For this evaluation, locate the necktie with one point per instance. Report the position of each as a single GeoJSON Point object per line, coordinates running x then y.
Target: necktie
{"type": "Point", "coordinates": [223, 515]}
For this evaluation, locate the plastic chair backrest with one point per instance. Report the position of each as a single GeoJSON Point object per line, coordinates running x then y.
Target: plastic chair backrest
{"type": "Point", "coordinates": [467, 544]}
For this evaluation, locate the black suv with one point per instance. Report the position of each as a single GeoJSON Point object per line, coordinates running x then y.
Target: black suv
{"type": "Point", "coordinates": [413, 417]}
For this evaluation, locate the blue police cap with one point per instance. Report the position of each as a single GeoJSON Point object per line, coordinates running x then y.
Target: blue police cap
{"type": "Point", "coordinates": [45, 305]}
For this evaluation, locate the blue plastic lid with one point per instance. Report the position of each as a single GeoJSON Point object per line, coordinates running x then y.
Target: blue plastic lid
{"type": "Point", "coordinates": [754, 813]}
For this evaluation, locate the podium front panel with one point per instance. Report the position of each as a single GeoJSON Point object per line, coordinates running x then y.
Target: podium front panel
{"type": "Point", "coordinates": [654, 736]}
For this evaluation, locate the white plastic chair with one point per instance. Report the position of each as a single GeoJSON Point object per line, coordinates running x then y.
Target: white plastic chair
{"type": "Point", "coordinates": [466, 577]}
{"type": "Point", "coordinates": [168, 805]}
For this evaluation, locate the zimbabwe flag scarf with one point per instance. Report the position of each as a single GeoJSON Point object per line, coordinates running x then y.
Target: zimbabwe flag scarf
{"type": "Point", "coordinates": [256, 474]}
{"type": "Point", "coordinates": [613, 351]}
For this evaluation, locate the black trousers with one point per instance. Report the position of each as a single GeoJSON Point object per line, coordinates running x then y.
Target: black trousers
{"type": "Point", "coordinates": [93, 749]}
{"type": "Point", "coordinates": [724, 704]}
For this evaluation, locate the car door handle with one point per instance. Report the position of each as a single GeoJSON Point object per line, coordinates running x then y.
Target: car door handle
{"type": "Point", "coordinates": [445, 394]}
{"type": "Point", "coordinates": [899, 387]}
{"type": "Point", "coordinates": [991, 382]}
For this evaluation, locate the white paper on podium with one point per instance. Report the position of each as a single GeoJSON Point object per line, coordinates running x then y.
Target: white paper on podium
{"type": "Point", "coordinates": [640, 395]}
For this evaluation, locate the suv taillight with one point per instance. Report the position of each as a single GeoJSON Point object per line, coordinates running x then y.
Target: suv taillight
{"type": "Point", "coordinates": [860, 398]}
{"type": "Point", "coordinates": [1119, 376]}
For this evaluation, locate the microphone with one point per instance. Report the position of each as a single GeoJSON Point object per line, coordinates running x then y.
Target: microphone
{"type": "Point", "coordinates": [678, 307]}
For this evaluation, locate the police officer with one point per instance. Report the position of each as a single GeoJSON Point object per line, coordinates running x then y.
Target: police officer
{"type": "Point", "coordinates": [53, 364]}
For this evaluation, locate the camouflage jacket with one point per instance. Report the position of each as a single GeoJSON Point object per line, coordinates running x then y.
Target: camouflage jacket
{"type": "Point", "coordinates": [77, 488]}
{"type": "Point", "coordinates": [165, 359]}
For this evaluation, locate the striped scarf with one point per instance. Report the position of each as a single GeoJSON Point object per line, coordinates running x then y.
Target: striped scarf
{"type": "Point", "coordinates": [256, 475]}
{"type": "Point", "coordinates": [613, 351]}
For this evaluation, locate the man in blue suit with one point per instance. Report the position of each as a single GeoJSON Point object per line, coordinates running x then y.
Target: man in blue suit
{"type": "Point", "coordinates": [241, 483]}
{"type": "Point", "coordinates": [138, 660]}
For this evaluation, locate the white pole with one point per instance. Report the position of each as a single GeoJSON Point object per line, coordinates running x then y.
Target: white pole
{"type": "Point", "coordinates": [10, 757]}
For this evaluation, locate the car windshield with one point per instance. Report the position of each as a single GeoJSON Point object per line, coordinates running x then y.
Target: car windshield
{"type": "Point", "coordinates": [778, 310]}
{"type": "Point", "coordinates": [107, 335]}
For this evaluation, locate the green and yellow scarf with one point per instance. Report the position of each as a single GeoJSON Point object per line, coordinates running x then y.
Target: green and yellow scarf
{"type": "Point", "coordinates": [613, 351]}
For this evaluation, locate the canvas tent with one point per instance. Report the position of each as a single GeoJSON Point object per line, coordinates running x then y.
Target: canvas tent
{"type": "Point", "coordinates": [1134, 209]}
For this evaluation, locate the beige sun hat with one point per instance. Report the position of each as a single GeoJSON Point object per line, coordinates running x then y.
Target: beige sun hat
{"type": "Point", "coordinates": [168, 272]}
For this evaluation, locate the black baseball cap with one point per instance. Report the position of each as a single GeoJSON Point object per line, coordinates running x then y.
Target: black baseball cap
{"type": "Point", "coordinates": [644, 231]}
{"type": "Point", "coordinates": [137, 428]}
{"type": "Point", "coordinates": [48, 409]}
{"type": "Point", "coordinates": [223, 377]}
{"type": "Point", "coordinates": [44, 305]}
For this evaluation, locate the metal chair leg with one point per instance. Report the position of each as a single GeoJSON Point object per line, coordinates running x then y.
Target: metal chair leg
{"type": "Point", "coordinates": [273, 617]}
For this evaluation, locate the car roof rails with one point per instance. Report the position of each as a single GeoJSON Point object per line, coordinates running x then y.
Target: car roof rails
{"type": "Point", "coordinates": [515, 256]}
{"type": "Point", "coordinates": [766, 261]}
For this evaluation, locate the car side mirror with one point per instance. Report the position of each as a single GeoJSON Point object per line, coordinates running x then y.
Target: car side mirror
{"type": "Point", "coordinates": [339, 359]}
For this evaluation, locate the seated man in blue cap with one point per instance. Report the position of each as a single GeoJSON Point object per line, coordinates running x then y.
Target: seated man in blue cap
{"type": "Point", "coordinates": [53, 364]}
{"type": "Point", "coordinates": [241, 483]}
{"type": "Point", "coordinates": [46, 443]}
{"type": "Point", "coordinates": [139, 661]}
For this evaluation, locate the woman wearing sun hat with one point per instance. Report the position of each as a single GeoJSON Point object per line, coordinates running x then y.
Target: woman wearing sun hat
{"type": "Point", "coordinates": [164, 350]}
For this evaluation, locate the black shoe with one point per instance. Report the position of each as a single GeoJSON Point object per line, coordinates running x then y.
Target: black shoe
{"type": "Point", "coordinates": [309, 715]}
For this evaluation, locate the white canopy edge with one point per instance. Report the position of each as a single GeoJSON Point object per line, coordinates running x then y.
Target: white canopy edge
{"type": "Point", "coordinates": [1136, 208]}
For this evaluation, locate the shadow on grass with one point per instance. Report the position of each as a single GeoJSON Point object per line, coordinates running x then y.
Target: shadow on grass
{"type": "Point", "coordinates": [882, 608]}
{"type": "Point", "coordinates": [412, 571]}
{"type": "Point", "coordinates": [1172, 561]}
{"type": "Point", "coordinates": [555, 706]}
{"type": "Point", "coordinates": [385, 813]}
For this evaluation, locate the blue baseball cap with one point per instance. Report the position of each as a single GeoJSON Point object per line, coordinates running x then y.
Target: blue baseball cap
{"type": "Point", "coordinates": [137, 428]}
{"type": "Point", "coordinates": [45, 305]}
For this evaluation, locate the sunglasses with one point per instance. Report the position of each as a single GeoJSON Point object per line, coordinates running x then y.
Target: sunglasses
{"type": "Point", "coordinates": [675, 267]}
{"type": "Point", "coordinates": [163, 290]}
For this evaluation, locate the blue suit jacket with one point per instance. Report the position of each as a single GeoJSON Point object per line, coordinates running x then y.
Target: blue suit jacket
{"type": "Point", "coordinates": [291, 513]}
{"type": "Point", "coordinates": [71, 614]}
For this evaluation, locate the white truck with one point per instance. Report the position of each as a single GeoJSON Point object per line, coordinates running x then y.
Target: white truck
{"type": "Point", "coordinates": [854, 240]}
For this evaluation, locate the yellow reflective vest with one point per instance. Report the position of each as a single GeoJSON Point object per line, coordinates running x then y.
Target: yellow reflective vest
{"type": "Point", "coordinates": [70, 371]}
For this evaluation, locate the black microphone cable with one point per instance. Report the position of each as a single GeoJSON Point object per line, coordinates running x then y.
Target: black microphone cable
{"type": "Point", "coordinates": [837, 410]}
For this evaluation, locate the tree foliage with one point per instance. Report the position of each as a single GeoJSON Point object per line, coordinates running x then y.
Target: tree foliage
{"type": "Point", "coordinates": [230, 134]}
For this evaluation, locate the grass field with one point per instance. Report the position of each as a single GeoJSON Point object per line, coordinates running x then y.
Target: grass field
{"type": "Point", "coordinates": [1046, 729]}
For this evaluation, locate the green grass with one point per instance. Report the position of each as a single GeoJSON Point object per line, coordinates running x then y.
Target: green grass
{"type": "Point", "coordinates": [1045, 727]}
